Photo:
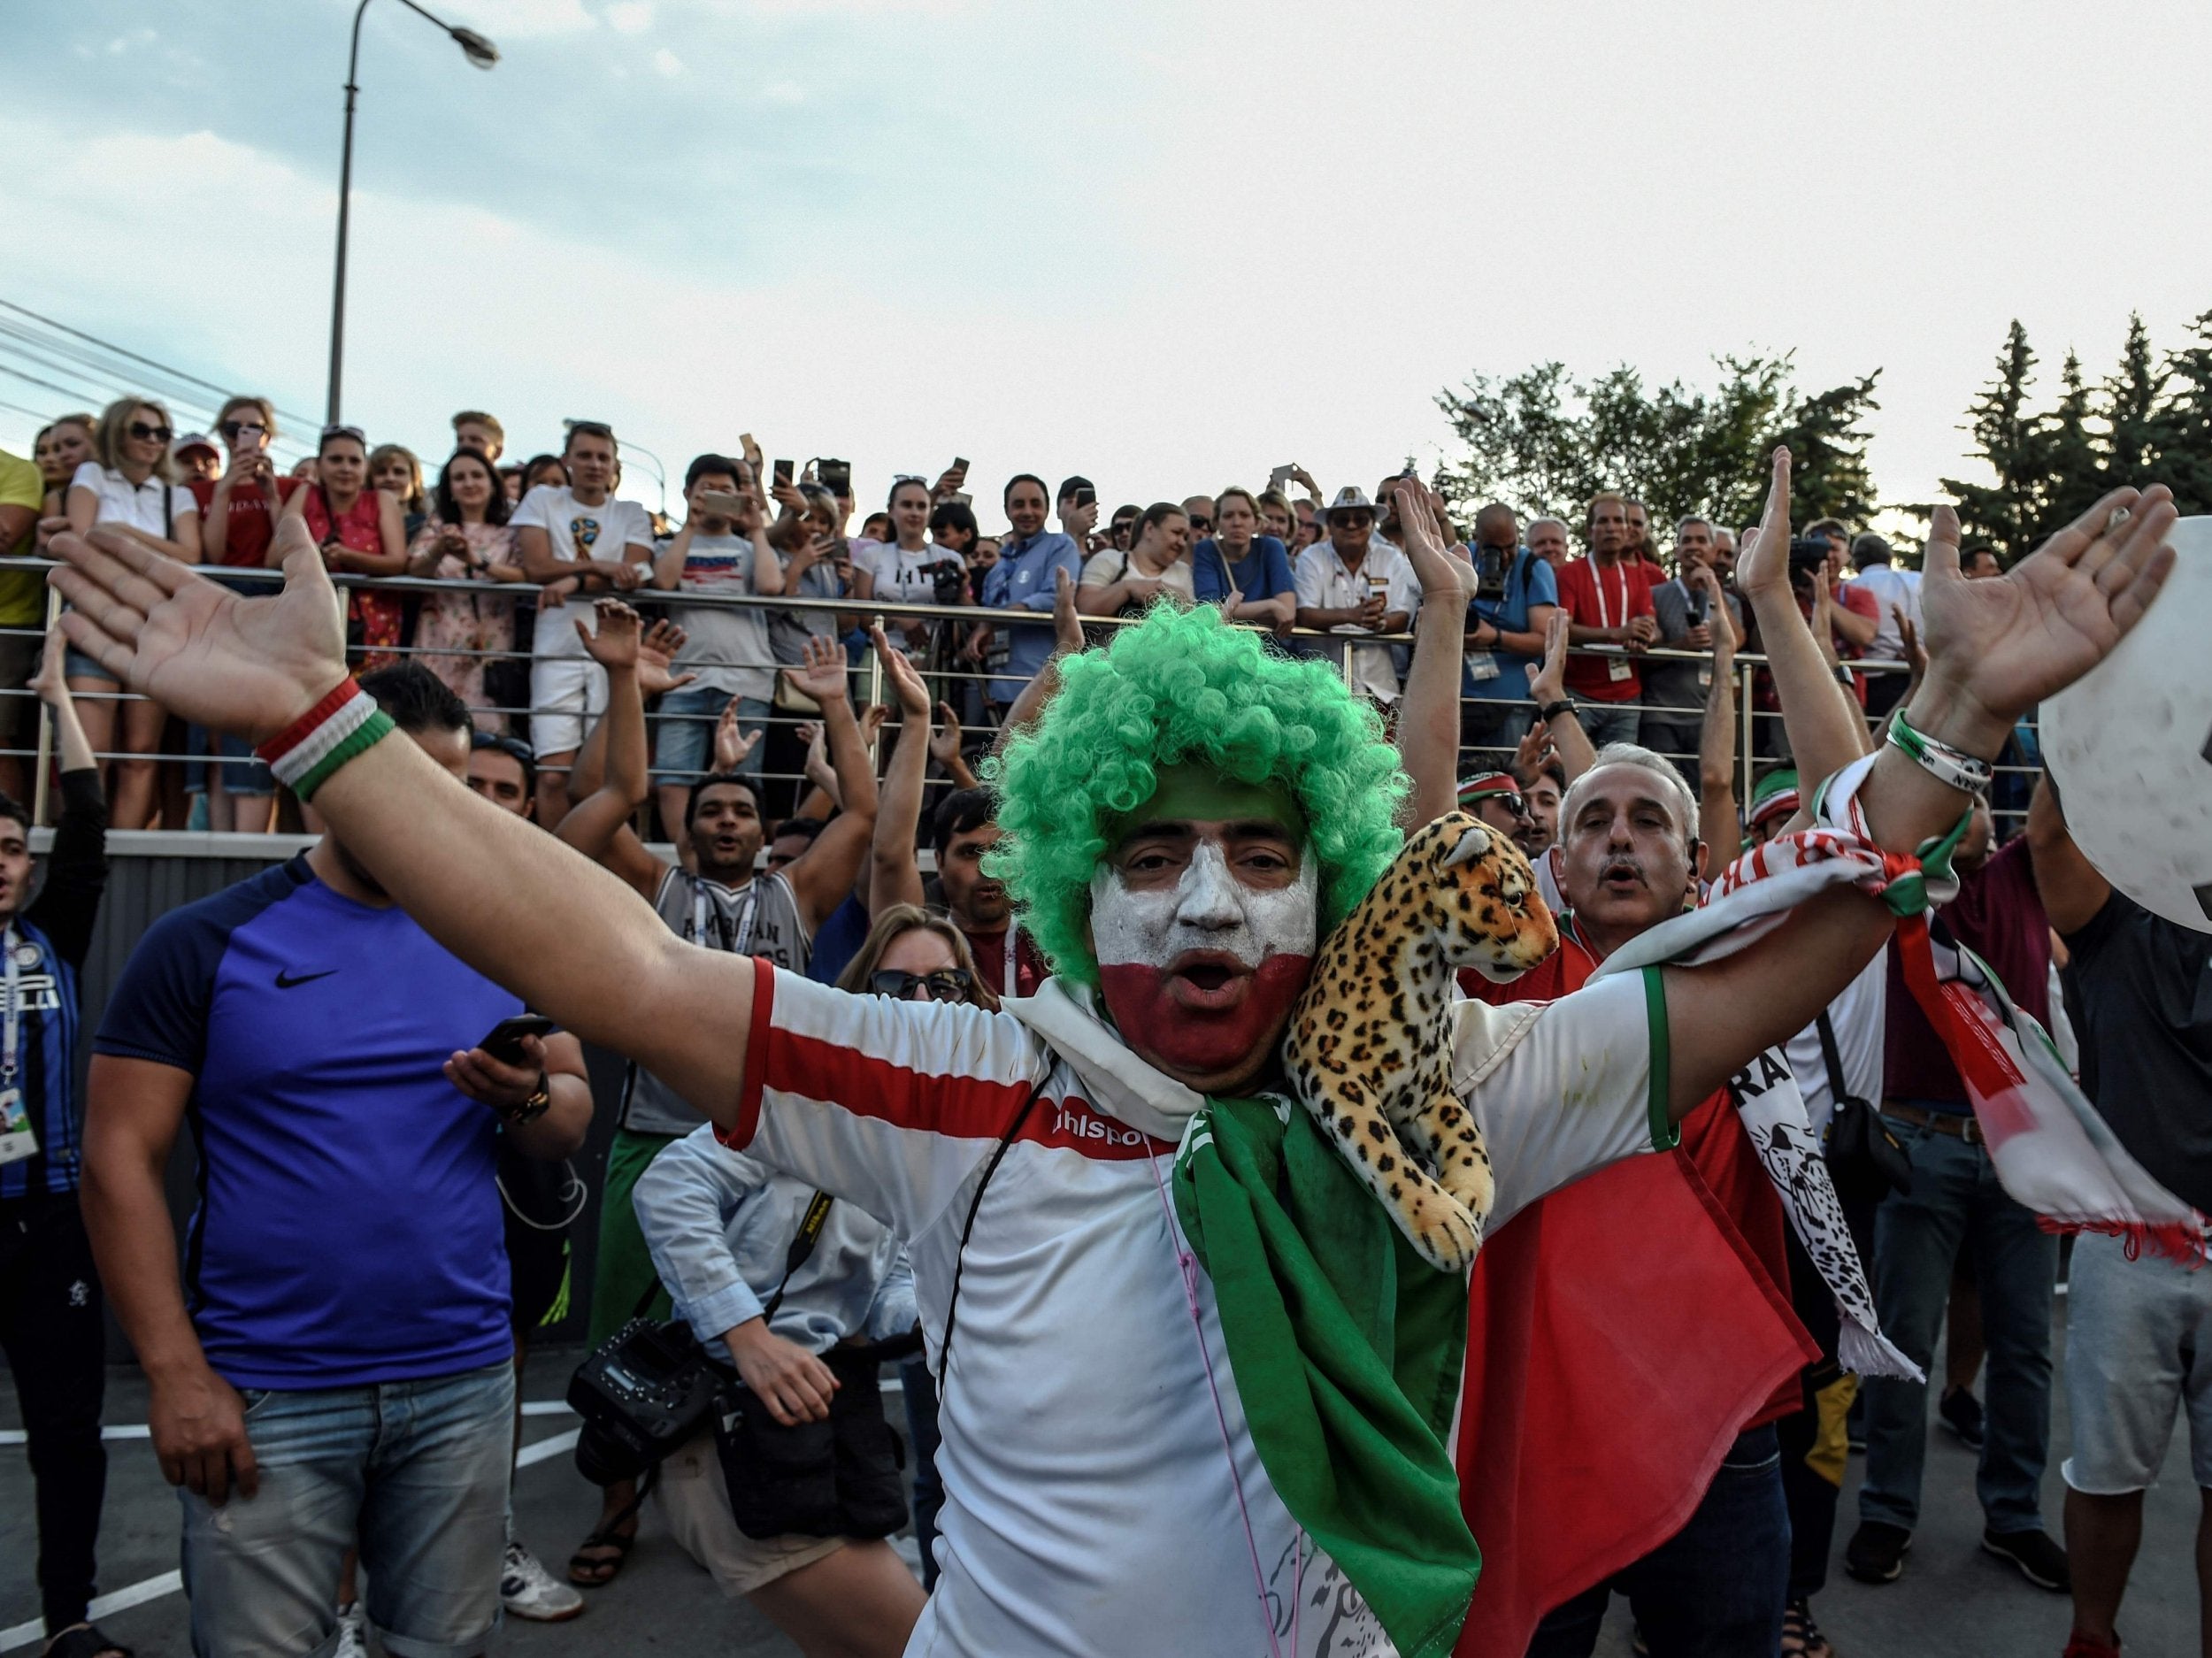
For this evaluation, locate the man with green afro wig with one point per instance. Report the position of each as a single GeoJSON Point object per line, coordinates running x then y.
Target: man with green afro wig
{"type": "Point", "coordinates": [1183, 823]}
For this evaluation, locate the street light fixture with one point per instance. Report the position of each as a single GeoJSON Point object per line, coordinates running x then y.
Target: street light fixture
{"type": "Point", "coordinates": [480, 52]}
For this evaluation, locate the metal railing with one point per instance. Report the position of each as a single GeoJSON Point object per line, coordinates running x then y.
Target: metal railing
{"type": "Point", "coordinates": [952, 679]}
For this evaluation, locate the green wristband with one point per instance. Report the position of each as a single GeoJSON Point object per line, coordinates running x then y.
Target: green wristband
{"type": "Point", "coordinates": [370, 731]}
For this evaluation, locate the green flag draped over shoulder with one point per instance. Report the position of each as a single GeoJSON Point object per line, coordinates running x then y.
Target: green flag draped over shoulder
{"type": "Point", "coordinates": [1346, 1348]}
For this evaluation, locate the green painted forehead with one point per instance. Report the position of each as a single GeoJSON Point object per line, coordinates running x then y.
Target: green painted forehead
{"type": "Point", "coordinates": [1199, 794]}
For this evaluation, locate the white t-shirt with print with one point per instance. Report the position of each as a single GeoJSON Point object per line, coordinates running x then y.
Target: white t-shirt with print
{"type": "Point", "coordinates": [578, 532]}
{"type": "Point", "coordinates": [1090, 1510]}
{"type": "Point", "coordinates": [137, 505]}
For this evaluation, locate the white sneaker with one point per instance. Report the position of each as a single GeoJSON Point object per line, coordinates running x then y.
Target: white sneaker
{"type": "Point", "coordinates": [527, 1590]}
{"type": "Point", "coordinates": [353, 1632]}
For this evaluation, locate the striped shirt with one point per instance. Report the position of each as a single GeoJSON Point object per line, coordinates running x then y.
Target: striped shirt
{"type": "Point", "coordinates": [1088, 1494]}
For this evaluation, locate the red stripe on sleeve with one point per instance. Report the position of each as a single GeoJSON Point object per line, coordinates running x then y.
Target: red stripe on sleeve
{"type": "Point", "coordinates": [965, 1108]}
{"type": "Point", "coordinates": [756, 1059]}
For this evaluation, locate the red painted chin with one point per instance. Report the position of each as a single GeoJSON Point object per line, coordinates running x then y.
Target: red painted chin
{"type": "Point", "coordinates": [1200, 1023]}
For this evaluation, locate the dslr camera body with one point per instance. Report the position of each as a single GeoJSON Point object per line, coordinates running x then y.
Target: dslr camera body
{"type": "Point", "coordinates": [642, 1394]}
{"type": "Point", "coordinates": [1492, 565]}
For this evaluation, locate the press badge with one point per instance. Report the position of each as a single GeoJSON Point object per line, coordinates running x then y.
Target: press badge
{"type": "Point", "coordinates": [1616, 668]}
{"type": "Point", "coordinates": [1482, 665]}
{"type": "Point", "coordinates": [17, 1139]}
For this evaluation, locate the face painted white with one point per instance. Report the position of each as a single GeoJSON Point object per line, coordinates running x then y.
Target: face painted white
{"type": "Point", "coordinates": [1208, 909]}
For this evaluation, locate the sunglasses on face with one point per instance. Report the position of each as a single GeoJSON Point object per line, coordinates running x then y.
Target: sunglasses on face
{"type": "Point", "coordinates": [946, 985]}
{"type": "Point", "coordinates": [1353, 520]}
{"type": "Point", "coordinates": [146, 433]}
{"type": "Point", "coordinates": [1201, 523]}
{"type": "Point", "coordinates": [1516, 805]}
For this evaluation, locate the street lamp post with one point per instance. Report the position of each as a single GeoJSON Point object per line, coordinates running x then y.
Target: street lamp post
{"type": "Point", "coordinates": [478, 51]}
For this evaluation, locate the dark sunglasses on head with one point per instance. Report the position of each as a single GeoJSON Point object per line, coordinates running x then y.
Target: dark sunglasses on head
{"type": "Point", "coordinates": [228, 430]}
{"type": "Point", "coordinates": [355, 433]}
{"type": "Point", "coordinates": [143, 432]}
{"type": "Point", "coordinates": [513, 747]}
{"type": "Point", "coordinates": [946, 985]}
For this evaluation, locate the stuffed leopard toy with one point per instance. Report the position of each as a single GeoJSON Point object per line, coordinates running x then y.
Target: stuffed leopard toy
{"type": "Point", "coordinates": [1371, 1048]}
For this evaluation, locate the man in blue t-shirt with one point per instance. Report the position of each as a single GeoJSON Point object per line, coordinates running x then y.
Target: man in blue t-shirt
{"type": "Point", "coordinates": [339, 1351]}
{"type": "Point", "coordinates": [1022, 580]}
{"type": "Point", "coordinates": [1515, 595]}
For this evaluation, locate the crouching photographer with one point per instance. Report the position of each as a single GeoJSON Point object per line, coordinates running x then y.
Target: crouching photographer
{"type": "Point", "coordinates": [798, 1290]}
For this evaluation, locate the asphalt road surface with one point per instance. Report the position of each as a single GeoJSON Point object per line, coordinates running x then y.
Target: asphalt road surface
{"type": "Point", "coordinates": [1952, 1602]}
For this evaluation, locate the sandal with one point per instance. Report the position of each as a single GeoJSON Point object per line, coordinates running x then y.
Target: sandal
{"type": "Point", "coordinates": [84, 1640]}
{"type": "Point", "coordinates": [1800, 1635]}
{"type": "Point", "coordinates": [596, 1571]}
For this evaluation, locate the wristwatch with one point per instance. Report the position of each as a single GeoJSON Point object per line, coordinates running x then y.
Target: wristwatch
{"type": "Point", "coordinates": [531, 1110]}
{"type": "Point", "coordinates": [1552, 710]}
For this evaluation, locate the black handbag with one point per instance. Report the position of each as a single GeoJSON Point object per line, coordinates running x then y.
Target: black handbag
{"type": "Point", "coordinates": [1865, 1161]}
{"type": "Point", "coordinates": [836, 1477]}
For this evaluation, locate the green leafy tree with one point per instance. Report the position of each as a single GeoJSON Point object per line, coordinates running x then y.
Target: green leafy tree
{"type": "Point", "coordinates": [2076, 468]}
{"type": "Point", "coordinates": [2009, 437]}
{"type": "Point", "coordinates": [2184, 421]}
{"type": "Point", "coordinates": [2132, 399]}
{"type": "Point", "coordinates": [1544, 443]}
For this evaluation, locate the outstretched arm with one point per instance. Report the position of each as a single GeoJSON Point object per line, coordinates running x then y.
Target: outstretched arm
{"type": "Point", "coordinates": [2072, 889]}
{"type": "Point", "coordinates": [1995, 649]}
{"type": "Point", "coordinates": [598, 825]}
{"type": "Point", "coordinates": [825, 871]}
{"type": "Point", "coordinates": [1548, 685]}
{"type": "Point", "coordinates": [571, 939]}
{"type": "Point", "coordinates": [893, 875]}
{"type": "Point", "coordinates": [1718, 822]}
{"type": "Point", "coordinates": [1428, 718]}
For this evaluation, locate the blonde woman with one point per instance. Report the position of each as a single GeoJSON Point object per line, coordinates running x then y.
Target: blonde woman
{"type": "Point", "coordinates": [129, 485]}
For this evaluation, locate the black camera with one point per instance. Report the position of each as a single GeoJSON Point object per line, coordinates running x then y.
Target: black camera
{"type": "Point", "coordinates": [642, 1394]}
{"type": "Point", "coordinates": [1490, 566]}
{"type": "Point", "coordinates": [1807, 554]}
{"type": "Point", "coordinates": [949, 579]}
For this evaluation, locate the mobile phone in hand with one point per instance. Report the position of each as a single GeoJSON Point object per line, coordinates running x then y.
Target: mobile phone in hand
{"type": "Point", "coordinates": [721, 503]}
{"type": "Point", "coordinates": [504, 1041]}
{"type": "Point", "coordinates": [783, 475]}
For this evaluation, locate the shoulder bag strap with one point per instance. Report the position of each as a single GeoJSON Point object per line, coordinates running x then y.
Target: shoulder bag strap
{"type": "Point", "coordinates": [960, 1257]}
{"type": "Point", "coordinates": [1829, 1058]}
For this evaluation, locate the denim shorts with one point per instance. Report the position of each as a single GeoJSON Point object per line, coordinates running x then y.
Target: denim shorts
{"type": "Point", "coordinates": [243, 772]}
{"type": "Point", "coordinates": [418, 1472]}
{"type": "Point", "coordinates": [684, 745]}
{"type": "Point", "coordinates": [2139, 1347]}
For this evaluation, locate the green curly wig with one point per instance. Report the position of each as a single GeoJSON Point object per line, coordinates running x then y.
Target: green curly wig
{"type": "Point", "coordinates": [1185, 686]}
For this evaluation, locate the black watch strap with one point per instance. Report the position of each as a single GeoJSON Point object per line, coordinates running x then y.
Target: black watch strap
{"type": "Point", "coordinates": [1552, 710]}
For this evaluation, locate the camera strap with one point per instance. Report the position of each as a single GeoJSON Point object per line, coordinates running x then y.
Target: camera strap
{"type": "Point", "coordinates": [809, 1233]}
{"type": "Point", "coordinates": [960, 1256]}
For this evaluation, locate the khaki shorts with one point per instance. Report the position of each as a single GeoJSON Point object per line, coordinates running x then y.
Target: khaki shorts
{"type": "Point", "coordinates": [696, 1504]}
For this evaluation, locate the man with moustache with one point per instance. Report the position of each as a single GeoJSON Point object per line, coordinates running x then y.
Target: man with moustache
{"type": "Point", "coordinates": [962, 833]}
{"type": "Point", "coordinates": [1182, 823]}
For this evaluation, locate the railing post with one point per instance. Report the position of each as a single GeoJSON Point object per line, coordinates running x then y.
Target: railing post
{"type": "Point", "coordinates": [1743, 693]}
{"type": "Point", "coordinates": [45, 724]}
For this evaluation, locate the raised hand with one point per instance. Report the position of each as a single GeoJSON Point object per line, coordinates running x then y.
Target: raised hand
{"type": "Point", "coordinates": [906, 685]}
{"type": "Point", "coordinates": [1444, 579]}
{"type": "Point", "coordinates": [733, 745]}
{"type": "Point", "coordinates": [208, 654]}
{"type": "Point", "coordinates": [944, 739]}
{"type": "Point", "coordinates": [50, 683]}
{"type": "Point", "coordinates": [614, 646]}
{"type": "Point", "coordinates": [1534, 748]}
{"type": "Point", "coordinates": [872, 720]}
{"type": "Point", "coordinates": [1548, 680]}
{"type": "Point", "coordinates": [1067, 622]}
{"type": "Point", "coordinates": [656, 649]}
{"type": "Point", "coordinates": [1763, 561]}
{"type": "Point", "coordinates": [821, 675]}
{"type": "Point", "coordinates": [1997, 647]}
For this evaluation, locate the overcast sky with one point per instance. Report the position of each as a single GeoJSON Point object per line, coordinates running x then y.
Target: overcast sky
{"type": "Point", "coordinates": [1168, 244]}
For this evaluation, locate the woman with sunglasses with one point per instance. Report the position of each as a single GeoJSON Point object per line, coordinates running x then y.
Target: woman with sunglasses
{"type": "Point", "coordinates": [362, 532]}
{"type": "Point", "coordinates": [466, 538]}
{"type": "Point", "coordinates": [129, 485]}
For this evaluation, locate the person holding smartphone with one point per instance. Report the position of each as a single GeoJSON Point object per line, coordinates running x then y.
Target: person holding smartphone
{"type": "Point", "coordinates": [335, 1361]}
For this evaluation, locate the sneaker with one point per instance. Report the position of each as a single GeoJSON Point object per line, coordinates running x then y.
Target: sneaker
{"type": "Point", "coordinates": [527, 1590]}
{"type": "Point", "coordinates": [353, 1632]}
{"type": "Point", "coordinates": [1962, 1413]}
{"type": "Point", "coordinates": [1876, 1552]}
{"type": "Point", "coordinates": [2041, 1562]}
{"type": "Point", "coordinates": [2081, 1645]}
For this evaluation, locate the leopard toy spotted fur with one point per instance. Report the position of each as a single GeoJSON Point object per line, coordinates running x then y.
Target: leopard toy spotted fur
{"type": "Point", "coordinates": [1371, 1038]}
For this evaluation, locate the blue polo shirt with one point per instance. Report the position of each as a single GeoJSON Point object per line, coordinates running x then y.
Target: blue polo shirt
{"type": "Point", "coordinates": [1262, 573]}
{"type": "Point", "coordinates": [1529, 581]}
{"type": "Point", "coordinates": [349, 1228]}
{"type": "Point", "coordinates": [1022, 580]}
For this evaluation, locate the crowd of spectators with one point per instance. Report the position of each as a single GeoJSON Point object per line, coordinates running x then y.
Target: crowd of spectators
{"type": "Point", "coordinates": [519, 540]}
{"type": "Point", "coordinates": [571, 614]}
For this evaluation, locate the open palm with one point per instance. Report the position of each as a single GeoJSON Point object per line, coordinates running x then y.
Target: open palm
{"type": "Point", "coordinates": [2004, 644]}
{"type": "Point", "coordinates": [250, 665]}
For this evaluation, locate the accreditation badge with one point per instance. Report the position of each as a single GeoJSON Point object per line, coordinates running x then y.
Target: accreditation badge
{"type": "Point", "coordinates": [17, 1139]}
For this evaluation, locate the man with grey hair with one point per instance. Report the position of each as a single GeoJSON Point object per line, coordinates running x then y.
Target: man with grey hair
{"type": "Point", "coordinates": [1896, 595]}
{"type": "Point", "coordinates": [1547, 540]}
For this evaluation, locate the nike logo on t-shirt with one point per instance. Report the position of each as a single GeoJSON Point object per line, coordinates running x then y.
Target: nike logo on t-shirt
{"type": "Point", "coordinates": [286, 981]}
